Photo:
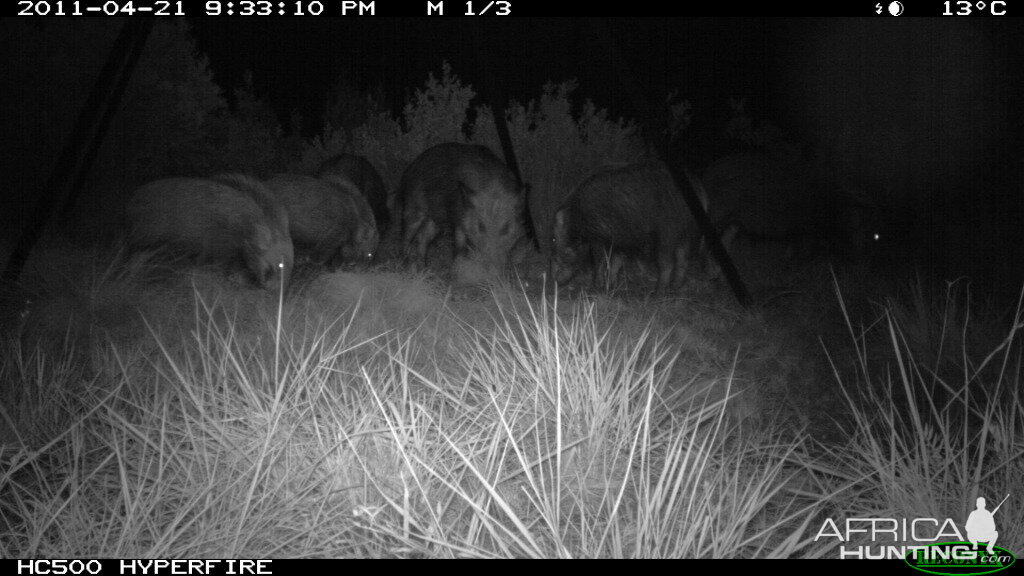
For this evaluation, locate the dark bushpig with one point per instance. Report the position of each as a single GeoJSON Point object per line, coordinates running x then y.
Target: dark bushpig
{"type": "Point", "coordinates": [230, 220]}
{"type": "Point", "coordinates": [467, 191]}
{"type": "Point", "coordinates": [634, 211]}
{"type": "Point", "coordinates": [367, 180]}
{"type": "Point", "coordinates": [790, 200]}
{"type": "Point", "coordinates": [331, 222]}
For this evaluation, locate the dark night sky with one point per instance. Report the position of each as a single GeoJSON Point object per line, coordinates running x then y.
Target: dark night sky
{"type": "Point", "coordinates": [907, 102]}
{"type": "Point", "coordinates": [296, 60]}
{"type": "Point", "coordinates": [880, 94]}
{"type": "Point", "coordinates": [937, 88]}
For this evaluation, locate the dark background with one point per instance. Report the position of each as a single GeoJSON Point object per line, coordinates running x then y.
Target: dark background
{"type": "Point", "coordinates": [905, 102]}
{"type": "Point", "coordinates": [296, 61]}
{"type": "Point", "coordinates": [923, 113]}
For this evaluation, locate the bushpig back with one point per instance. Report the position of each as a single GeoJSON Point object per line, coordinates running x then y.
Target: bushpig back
{"type": "Point", "coordinates": [632, 211]}
{"type": "Point", "coordinates": [330, 220]}
{"type": "Point", "coordinates": [366, 179]}
{"type": "Point", "coordinates": [771, 198]}
{"type": "Point", "coordinates": [226, 220]}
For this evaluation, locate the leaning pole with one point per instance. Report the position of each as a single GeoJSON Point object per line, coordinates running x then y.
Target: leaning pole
{"type": "Point", "coordinates": [79, 151]}
{"type": "Point", "coordinates": [685, 180]}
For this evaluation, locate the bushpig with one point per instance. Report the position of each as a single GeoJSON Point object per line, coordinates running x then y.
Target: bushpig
{"type": "Point", "coordinates": [467, 191]}
{"type": "Point", "coordinates": [230, 220]}
{"type": "Point", "coordinates": [366, 179]}
{"type": "Point", "coordinates": [781, 199]}
{"type": "Point", "coordinates": [331, 221]}
{"type": "Point", "coordinates": [633, 211]}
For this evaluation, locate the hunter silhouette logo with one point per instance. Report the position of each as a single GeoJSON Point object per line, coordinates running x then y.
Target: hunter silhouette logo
{"type": "Point", "coordinates": [981, 525]}
{"type": "Point", "coordinates": [962, 558]}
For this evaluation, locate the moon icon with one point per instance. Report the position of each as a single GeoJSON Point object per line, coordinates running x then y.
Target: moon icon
{"type": "Point", "coordinates": [895, 8]}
